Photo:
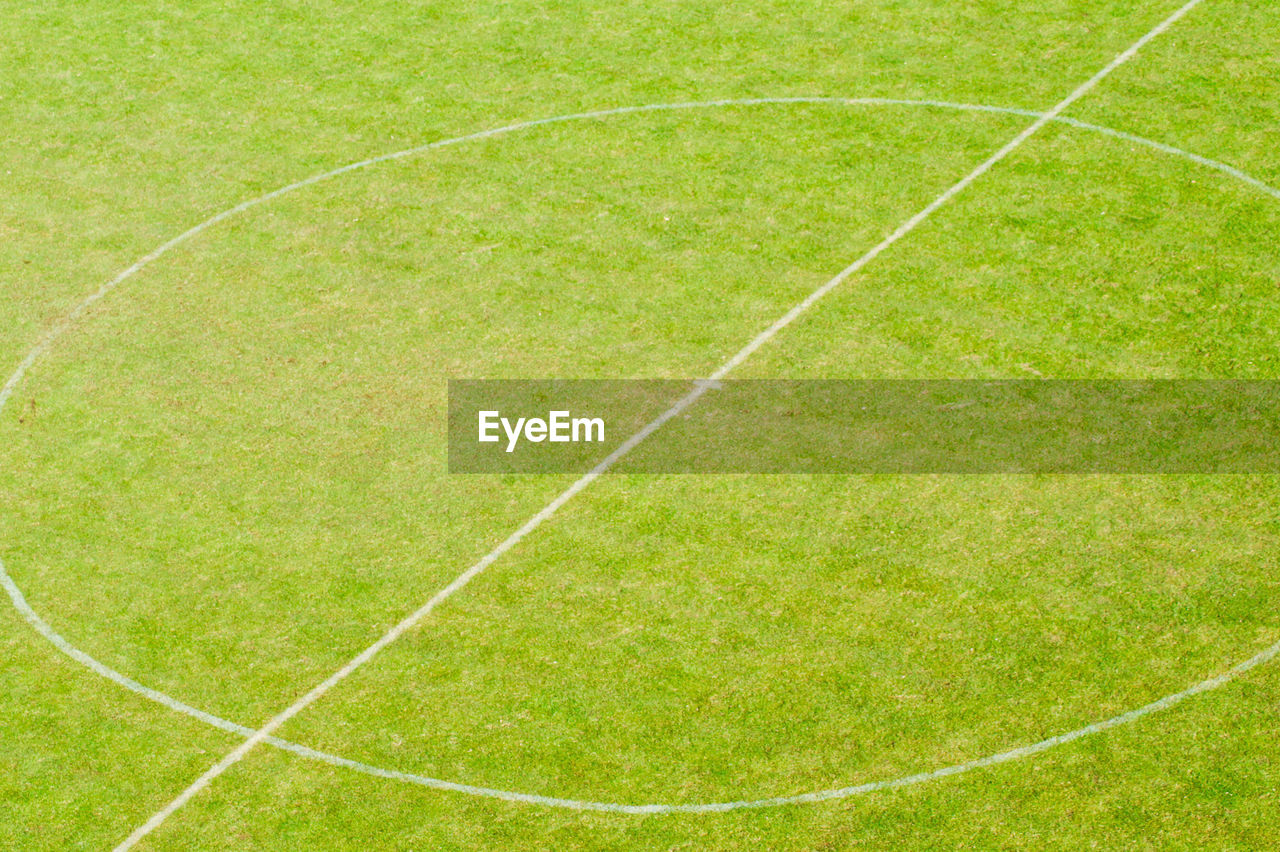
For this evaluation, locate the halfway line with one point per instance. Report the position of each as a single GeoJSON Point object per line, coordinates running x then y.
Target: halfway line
{"type": "Point", "coordinates": [699, 389]}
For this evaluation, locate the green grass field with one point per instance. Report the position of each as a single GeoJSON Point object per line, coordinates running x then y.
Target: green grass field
{"type": "Point", "coordinates": [227, 477]}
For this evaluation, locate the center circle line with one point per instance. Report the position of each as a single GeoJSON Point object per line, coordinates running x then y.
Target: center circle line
{"type": "Point", "coordinates": [41, 626]}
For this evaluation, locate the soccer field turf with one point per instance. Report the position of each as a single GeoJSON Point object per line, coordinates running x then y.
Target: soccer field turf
{"type": "Point", "coordinates": [223, 450]}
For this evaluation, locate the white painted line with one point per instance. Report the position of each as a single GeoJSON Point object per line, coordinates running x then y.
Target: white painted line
{"type": "Point", "coordinates": [66, 647]}
{"type": "Point", "coordinates": [802, 798]}
{"type": "Point", "coordinates": [41, 626]}
{"type": "Point", "coordinates": [550, 509]}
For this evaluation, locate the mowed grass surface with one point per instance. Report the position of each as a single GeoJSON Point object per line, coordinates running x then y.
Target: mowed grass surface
{"type": "Point", "coordinates": [230, 478]}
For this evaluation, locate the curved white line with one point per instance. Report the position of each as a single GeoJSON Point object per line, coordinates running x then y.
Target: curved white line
{"type": "Point", "coordinates": [46, 630]}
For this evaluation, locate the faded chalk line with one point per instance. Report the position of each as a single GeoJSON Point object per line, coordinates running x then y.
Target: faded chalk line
{"type": "Point", "coordinates": [264, 735]}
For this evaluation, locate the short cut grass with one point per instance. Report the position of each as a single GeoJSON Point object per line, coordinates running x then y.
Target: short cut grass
{"type": "Point", "coordinates": [229, 477]}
